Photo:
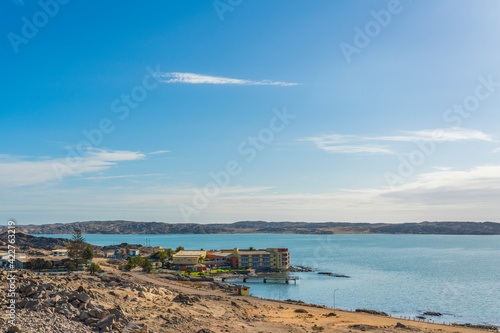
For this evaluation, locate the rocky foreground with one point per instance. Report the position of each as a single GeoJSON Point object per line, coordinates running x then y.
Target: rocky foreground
{"type": "Point", "coordinates": [139, 303]}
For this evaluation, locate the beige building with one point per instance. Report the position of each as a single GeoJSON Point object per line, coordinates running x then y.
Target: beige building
{"type": "Point", "coordinates": [186, 257]}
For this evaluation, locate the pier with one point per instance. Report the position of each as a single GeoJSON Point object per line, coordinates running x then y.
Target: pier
{"type": "Point", "coordinates": [263, 278]}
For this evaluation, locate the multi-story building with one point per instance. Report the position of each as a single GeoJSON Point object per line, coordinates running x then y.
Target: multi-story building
{"type": "Point", "coordinates": [218, 259]}
{"type": "Point", "coordinates": [188, 258]}
{"type": "Point", "coordinates": [273, 258]}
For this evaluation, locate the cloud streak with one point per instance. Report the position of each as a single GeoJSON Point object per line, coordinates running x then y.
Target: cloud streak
{"type": "Point", "coordinates": [359, 144]}
{"type": "Point", "coordinates": [16, 172]}
{"type": "Point", "coordinates": [192, 78]}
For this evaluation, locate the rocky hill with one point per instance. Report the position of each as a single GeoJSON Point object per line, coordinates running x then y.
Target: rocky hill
{"type": "Point", "coordinates": [24, 241]}
{"type": "Point", "coordinates": [130, 227]}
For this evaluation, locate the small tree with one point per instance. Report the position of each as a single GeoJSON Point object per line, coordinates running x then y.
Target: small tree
{"type": "Point", "coordinates": [70, 265]}
{"type": "Point", "coordinates": [160, 256]}
{"type": "Point", "coordinates": [137, 260]}
{"type": "Point", "coordinates": [37, 264]}
{"type": "Point", "coordinates": [179, 248]}
{"type": "Point", "coordinates": [133, 262]}
{"type": "Point", "coordinates": [88, 253]}
{"type": "Point", "coordinates": [94, 268]}
{"type": "Point", "coordinates": [77, 247]}
{"type": "Point", "coordinates": [170, 253]}
{"type": "Point", "coordinates": [163, 257]}
{"type": "Point", "coordinates": [146, 265]}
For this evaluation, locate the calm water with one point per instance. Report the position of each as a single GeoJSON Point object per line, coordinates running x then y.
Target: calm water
{"type": "Point", "coordinates": [403, 275]}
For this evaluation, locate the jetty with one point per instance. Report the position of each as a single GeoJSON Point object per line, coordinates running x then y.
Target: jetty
{"type": "Point", "coordinates": [264, 279]}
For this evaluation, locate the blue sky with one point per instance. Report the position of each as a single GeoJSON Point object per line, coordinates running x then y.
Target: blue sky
{"type": "Point", "coordinates": [127, 110]}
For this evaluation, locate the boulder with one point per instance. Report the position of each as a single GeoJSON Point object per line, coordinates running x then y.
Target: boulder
{"type": "Point", "coordinates": [98, 312]}
{"type": "Point", "coordinates": [91, 321]}
{"type": "Point", "coordinates": [431, 313]}
{"type": "Point", "coordinates": [13, 329]}
{"type": "Point", "coordinates": [30, 304]}
{"type": "Point", "coordinates": [402, 326]}
{"type": "Point", "coordinates": [106, 322]}
{"type": "Point", "coordinates": [186, 299]}
{"type": "Point", "coordinates": [363, 327]}
{"type": "Point", "coordinates": [30, 291]}
{"type": "Point", "coordinates": [53, 301]}
{"type": "Point", "coordinates": [373, 312]}
{"type": "Point", "coordinates": [84, 316]}
{"type": "Point", "coordinates": [133, 327]}
{"type": "Point", "coordinates": [82, 297]}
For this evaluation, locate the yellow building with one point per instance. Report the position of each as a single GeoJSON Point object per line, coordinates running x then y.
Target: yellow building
{"type": "Point", "coordinates": [280, 258]}
{"type": "Point", "coordinates": [275, 258]}
{"type": "Point", "coordinates": [188, 258]}
{"type": "Point", "coordinates": [241, 290]}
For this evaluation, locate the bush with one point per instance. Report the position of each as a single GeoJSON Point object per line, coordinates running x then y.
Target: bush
{"type": "Point", "coordinates": [301, 311]}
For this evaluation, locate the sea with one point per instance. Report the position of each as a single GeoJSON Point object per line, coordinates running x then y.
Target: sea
{"type": "Point", "coordinates": [402, 275]}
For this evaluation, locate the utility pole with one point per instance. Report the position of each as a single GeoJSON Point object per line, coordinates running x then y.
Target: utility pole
{"type": "Point", "coordinates": [334, 299]}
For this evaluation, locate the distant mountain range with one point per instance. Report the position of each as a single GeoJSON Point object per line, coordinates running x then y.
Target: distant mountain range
{"type": "Point", "coordinates": [130, 227]}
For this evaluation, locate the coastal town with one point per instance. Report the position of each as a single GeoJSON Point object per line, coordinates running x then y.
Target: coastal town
{"type": "Point", "coordinates": [131, 288]}
{"type": "Point", "coordinates": [262, 260]}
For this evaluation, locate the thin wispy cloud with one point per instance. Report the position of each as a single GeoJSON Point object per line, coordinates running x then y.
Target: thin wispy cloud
{"type": "Point", "coordinates": [15, 172]}
{"type": "Point", "coordinates": [123, 176]}
{"type": "Point", "coordinates": [159, 152]}
{"type": "Point", "coordinates": [192, 78]}
{"type": "Point", "coordinates": [446, 194]}
{"type": "Point", "coordinates": [359, 144]}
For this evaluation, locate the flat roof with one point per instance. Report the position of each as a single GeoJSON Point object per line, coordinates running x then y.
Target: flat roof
{"type": "Point", "coordinates": [253, 252]}
{"type": "Point", "coordinates": [189, 253]}
{"type": "Point", "coordinates": [221, 254]}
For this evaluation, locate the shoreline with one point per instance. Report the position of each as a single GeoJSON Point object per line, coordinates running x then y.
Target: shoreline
{"type": "Point", "coordinates": [261, 292]}
{"type": "Point", "coordinates": [299, 303]}
{"type": "Point", "coordinates": [150, 303]}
